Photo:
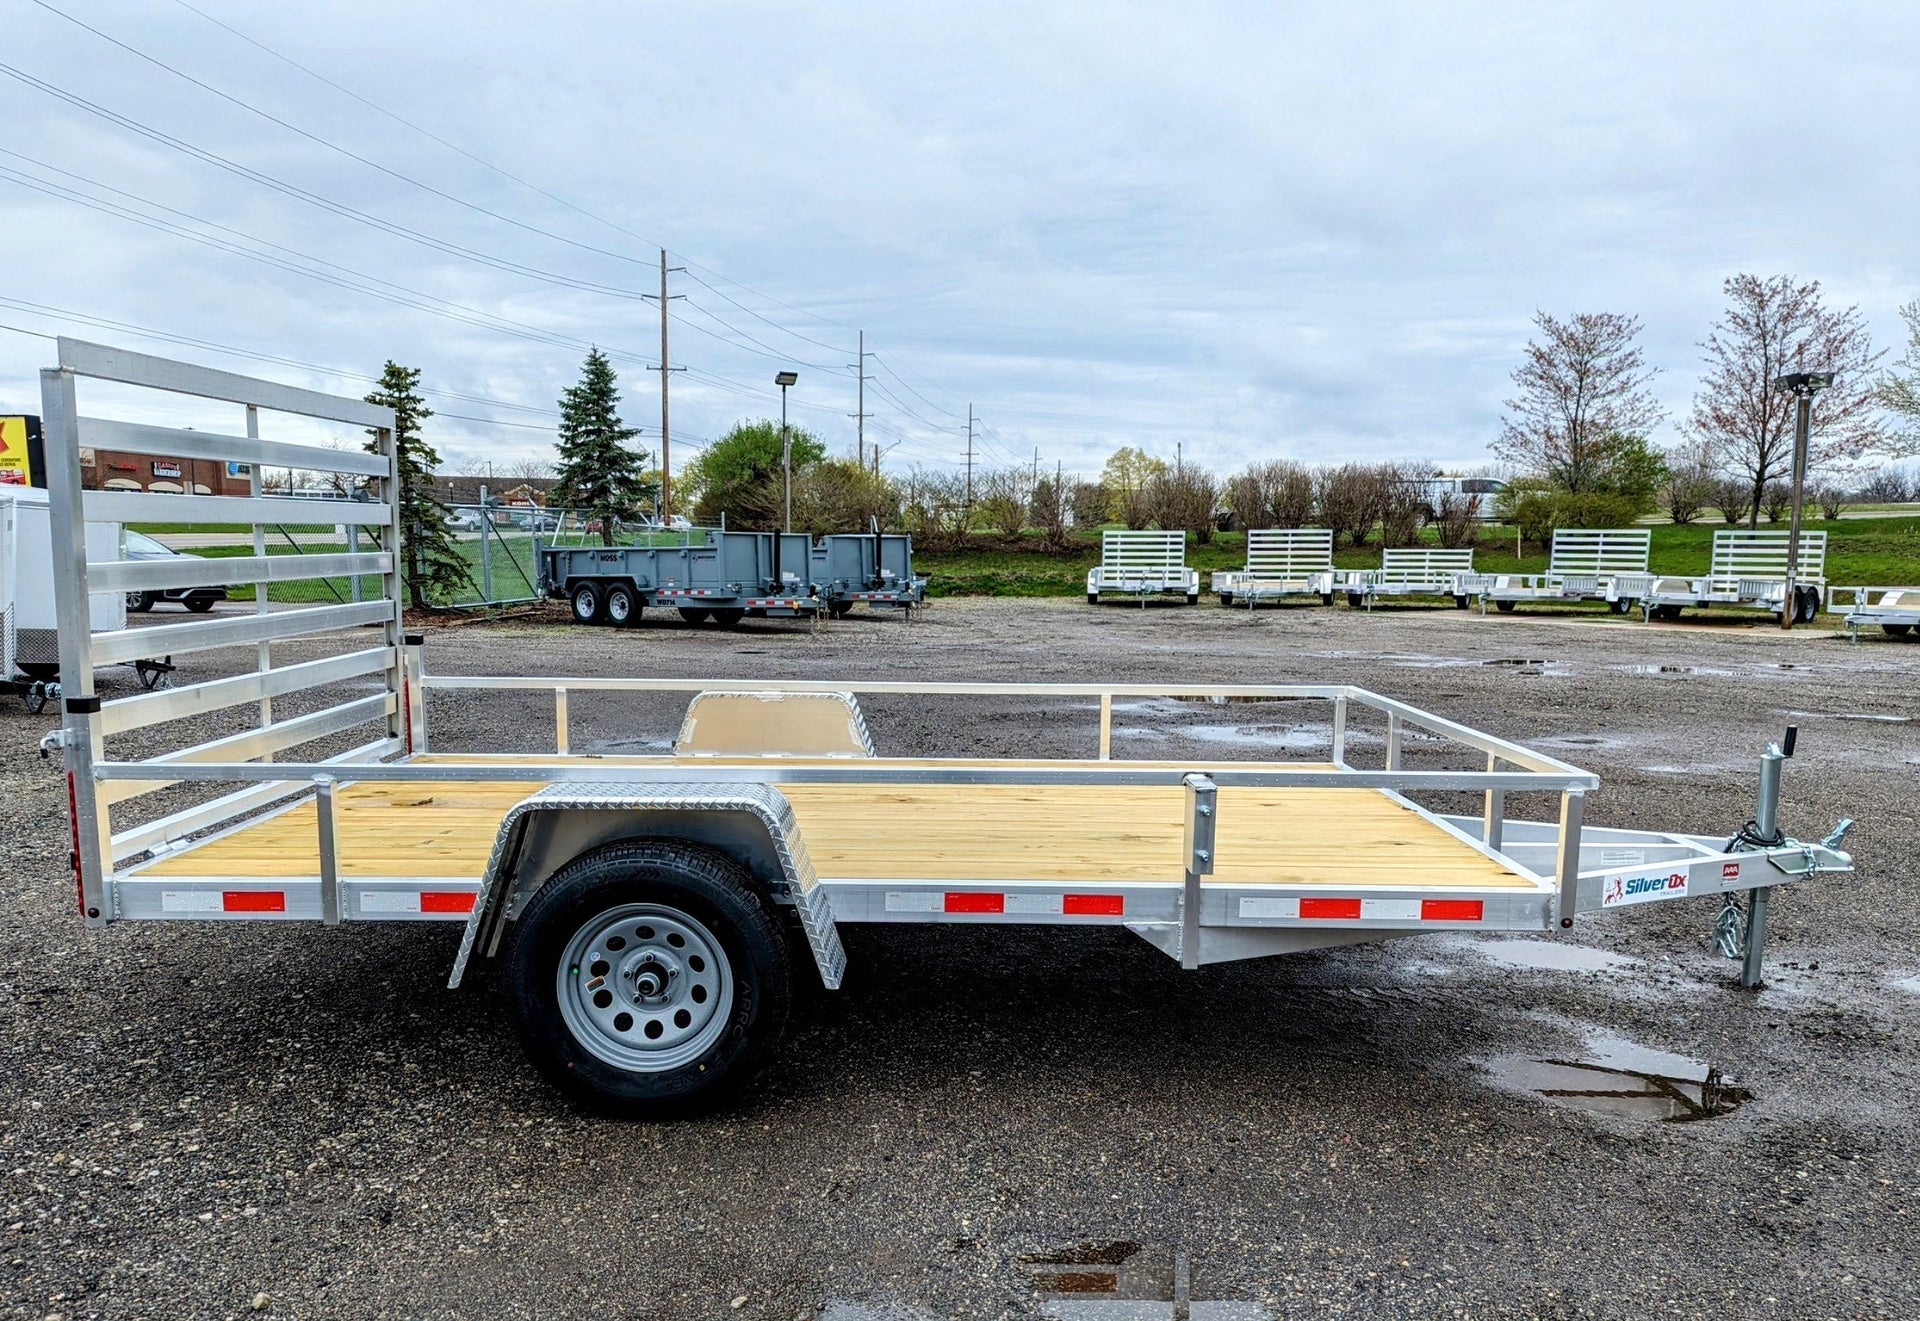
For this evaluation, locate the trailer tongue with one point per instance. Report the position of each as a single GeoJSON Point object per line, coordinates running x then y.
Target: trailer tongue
{"type": "Point", "coordinates": [647, 912]}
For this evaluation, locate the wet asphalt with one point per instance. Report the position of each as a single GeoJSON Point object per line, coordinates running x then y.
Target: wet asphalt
{"type": "Point", "coordinates": [300, 1122]}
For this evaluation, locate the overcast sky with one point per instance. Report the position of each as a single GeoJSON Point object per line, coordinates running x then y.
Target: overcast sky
{"type": "Point", "coordinates": [1254, 231]}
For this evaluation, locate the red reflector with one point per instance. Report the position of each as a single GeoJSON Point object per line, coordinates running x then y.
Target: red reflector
{"type": "Point", "coordinates": [1331, 908]}
{"type": "Point", "coordinates": [445, 901]}
{"type": "Point", "coordinates": [1452, 910]}
{"type": "Point", "coordinates": [976, 903]}
{"type": "Point", "coordinates": [253, 901]}
{"type": "Point", "coordinates": [1093, 905]}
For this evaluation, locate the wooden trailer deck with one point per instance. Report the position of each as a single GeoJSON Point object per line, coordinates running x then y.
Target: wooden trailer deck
{"type": "Point", "coordinates": [934, 832]}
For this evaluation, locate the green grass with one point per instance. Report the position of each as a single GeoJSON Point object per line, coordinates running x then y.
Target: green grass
{"type": "Point", "coordinates": [1870, 551]}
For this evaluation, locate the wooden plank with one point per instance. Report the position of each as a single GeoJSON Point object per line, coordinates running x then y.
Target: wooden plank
{"type": "Point", "coordinates": [1335, 837]}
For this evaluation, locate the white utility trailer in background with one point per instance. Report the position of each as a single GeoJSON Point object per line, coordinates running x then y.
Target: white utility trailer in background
{"type": "Point", "coordinates": [1285, 561]}
{"type": "Point", "coordinates": [1142, 564]}
{"type": "Point", "coordinates": [1585, 564]}
{"type": "Point", "coordinates": [1412, 571]}
{"type": "Point", "coordinates": [650, 914]}
{"type": "Point", "coordinates": [1895, 609]}
{"type": "Point", "coordinates": [1748, 571]}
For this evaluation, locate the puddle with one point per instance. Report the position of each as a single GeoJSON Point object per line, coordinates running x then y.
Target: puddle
{"type": "Point", "coordinates": [644, 744]}
{"type": "Point", "coordinates": [1851, 715]}
{"type": "Point", "coordinates": [1578, 741]}
{"type": "Point", "coordinates": [1673, 669]}
{"type": "Point", "coordinates": [1621, 1079]}
{"type": "Point", "coordinates": [1290, 737]}
{"type": "Point", "coordinates": [1126, 1281]}
{"type": "Point", "coordinates": [1911, 985]}
{"type": "Point", "coordinates": [1550, 955]}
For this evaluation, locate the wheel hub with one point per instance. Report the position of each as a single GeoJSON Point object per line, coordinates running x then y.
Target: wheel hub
{"type": "Point", "coordinates": [645, 987]}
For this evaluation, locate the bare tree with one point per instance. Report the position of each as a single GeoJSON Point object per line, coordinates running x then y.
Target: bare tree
{"type": "Point", "coordinates": [1051, 508]}
{"type": "Point", "coordinates": [1351, 498]}
{"type": "Point", "coordinates": [1002, 496]}
{"type": "Point", "coordinates": [530, 469]}
{"type": "Point", "coordinates": [1457, 519]}
{"type": "Point", "coordinates": [1733, 498]}
{"type": "Point", "coordinates": [1690, 483]}
{"type": "Point", "coordinates": [1272, 494]}
{"type": "Point", "coordinates": [1089, 501]}
{"type": "Point", "coordinates": [1774, 326]}
{"type": "Point", "coordinates": [1125, 477]}
{"type": "Point", "coordinates": [1581, 393]}
{"type": "Point", "coordinates": [1183, 499]}
{"type": "Point", "coordinates": [1403, 505]}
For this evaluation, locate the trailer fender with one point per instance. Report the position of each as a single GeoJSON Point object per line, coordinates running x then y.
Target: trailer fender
{"type": "Point", "coordinates": [752, 823]}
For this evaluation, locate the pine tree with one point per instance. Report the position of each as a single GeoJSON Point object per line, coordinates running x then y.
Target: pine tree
{"type": "Point", "coordinates": [599, 475]}
{"type": "Point", "coordinates": [429, 556]}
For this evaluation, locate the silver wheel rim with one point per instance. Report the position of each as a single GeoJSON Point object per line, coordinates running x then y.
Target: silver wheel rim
{"type": "Point", "coordinates": [618, 607]}
{"type": "Point", "coordinates": [587, 603]}
{"type": "Point", "coordinates": [645, 988]}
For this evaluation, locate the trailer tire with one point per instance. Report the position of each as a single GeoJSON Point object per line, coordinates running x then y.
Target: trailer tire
{"type": "Point", "coordinates": [695, 989]}
{"type": "Point", "coordinates": [1504, 607]}
{"type": "Point", "coordinates": [1193, 598]}
{"type": "Point", "coordinates": [1808, 601]}
{"type": "Point", "coordinates": [728, 616]}
{"type": "Point", "coordinates": [1355, 600]}
{"type": "Point", "coordinates": [1093, 598]}
{"type": "Point", "coordinates": [1460, 602]}
{"type": "Point", "coordinates": [1620, 607]}
{"type": "Point", "coordinates": [589, 604]}
{"type": "Point", "coordinates": [1226, 598]}
{"type": "Point", "coordinates": [1896, 630]}
{"type": "Point", "coordinates": [622, 607]}
{"type": "Point", "coordinates": [839, 611]}
{"type": "Point", "coordinates": [694, 614]}
{"type": "Point", "coordinates": [1666, 614]}
{"type": "Point", "coordinates": [1326, 598]}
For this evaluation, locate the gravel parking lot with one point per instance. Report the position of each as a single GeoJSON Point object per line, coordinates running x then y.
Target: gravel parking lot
{"type": "Point", "coordinates": [302, 1122]}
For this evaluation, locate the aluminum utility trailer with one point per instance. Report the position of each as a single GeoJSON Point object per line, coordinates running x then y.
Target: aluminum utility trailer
{"type": "Point", "coordinates": [1585, 564]}
{"type": "Point", "coordinates": [649, 916]}
{"type": "Point", "coordinates": [874, 569]}
{"type": "Point", "coordinates": [29, 624]}
{"type": "Point", "coordinates": [1281, 562]}
{"type": "Point", "coordinates": [711, 575]}
{"type": "Point", "coordinates": [1895, 609]}
{"type": "Point", "coordinates": [1748, 571]}
{"type": "Point", "coordinates": [1412, 571]}
{"type": "Point", "coordinates": [1142, 564]}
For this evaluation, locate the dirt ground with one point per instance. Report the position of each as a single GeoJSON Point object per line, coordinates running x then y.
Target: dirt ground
{"type": "Point", "coordinates": [303, 1122]}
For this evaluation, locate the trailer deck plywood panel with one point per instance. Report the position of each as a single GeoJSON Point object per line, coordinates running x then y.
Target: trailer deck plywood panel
{"type": "Point", "coordinates": [1307, 836]}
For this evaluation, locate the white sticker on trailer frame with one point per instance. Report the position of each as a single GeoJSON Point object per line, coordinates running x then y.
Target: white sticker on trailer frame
{"type": "Point", "coordinates": [1647, 888]}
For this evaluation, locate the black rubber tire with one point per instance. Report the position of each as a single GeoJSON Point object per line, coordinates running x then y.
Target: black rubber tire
{"type": "Point", "coordinates": [1896, 630]}
{"type": "Point", "coordinates": [1226, 598]}
{"type": "Point", "coordinates": [621, 607]}
{"type": "Point", "coordinates": [1621, 606]}
{"type": "Point", "coordinates": [1326, 598]}
{"type": "Point", "coordinates": [729, 616]}
{"type": "Point", "coordinates": [839, 611]}
{"type": "Point", "coordinates": [1461, 602]}
{"type": "Point", "coordinates": [1093, 598]}
{"type": "Point", "coordinates": [1808, 599]}
{"type": "Point", "coordinates": [200, 604]}
{"type": "Point", "coordinates": [589, 603]}
{"type": "Point", "coordinates": [140, 602]}
{"type": "Point", "coordinates": [1355, 600]}
{"type": "Point", "coordinates": [695, 614]}
{"type": "Point", "coordinates": [1505, 607]}
{"type": "Point", "coordinates": [703, 884]}
{"type": "Point", "coordinates": [1193, 598]}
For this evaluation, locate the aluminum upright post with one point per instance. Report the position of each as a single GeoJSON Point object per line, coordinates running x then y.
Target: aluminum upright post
{"type": "Point", "coordinates": [486, 550]}
{"type": "Point", "coordinates": [1766, 825]}
{"type": "Point", "coordinates": [1202, 800]}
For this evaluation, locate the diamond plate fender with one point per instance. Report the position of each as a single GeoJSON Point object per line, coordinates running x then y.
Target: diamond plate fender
{"type": "Point", "coordinates": [760, 801]}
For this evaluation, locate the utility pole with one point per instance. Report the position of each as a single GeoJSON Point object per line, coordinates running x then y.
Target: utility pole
{"type": "Point", "coordinates": [860, 417]}
{"type": "Point", "coordinates": [666, 373]}
{"type": "Point", "coordinates": [969, 456]}
{"type": "Point", "coordinates": [1033, 477]}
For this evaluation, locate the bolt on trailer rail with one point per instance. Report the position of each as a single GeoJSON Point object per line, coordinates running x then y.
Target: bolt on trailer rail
{"type": "Point", "coordinates": [1585, 564]}
{"type": "Point", "coordinates": [1281, 562]}
{"type": "Point", "coordinates": [646, 912]}
{"type": "Point", "coordinates": [1140, 563]}
{"type": "Point", "coordinates": [1411, 571]}
{"type": "Point", "coordinates": [1747, 571]}
{"type": "Point", "coordinates": [1895, 609]}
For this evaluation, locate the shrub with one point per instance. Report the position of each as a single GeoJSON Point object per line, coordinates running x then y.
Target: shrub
{"type": "Point", "coordinates": [1002, 496]}
{"type": "Point", "coordinates": [1831, 499]}
{"type": "Point", "coordinates": [1182, 499]}
{"type": "Point", "coordinates": [1457, 519]}
{"type": "Point", "coordinates": [1351, 499]}
{"type": "Point", "coordinates": [1775, 499]}
{"type": "Point", "coordinates": [1733, 497]}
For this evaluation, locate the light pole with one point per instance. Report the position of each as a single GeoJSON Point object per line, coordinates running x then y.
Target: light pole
{"type": "Point", "coordinates": [1803, 386]}
{"type": "Point", "coordinates": [783, 380]}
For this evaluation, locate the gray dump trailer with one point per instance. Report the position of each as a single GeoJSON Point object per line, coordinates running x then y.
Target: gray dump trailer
{"type": "Point", "coordinates": [874, 569]}
{"type": "Point", "coordinates": [711, 575]}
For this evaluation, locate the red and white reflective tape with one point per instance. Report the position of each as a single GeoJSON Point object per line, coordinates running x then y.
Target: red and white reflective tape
{"type": "Point", "coordinates": [685, 591]}
{"type": "Point", "coordinates": [416, 901]}
{"type": "Point", "coordinates": [776, 603]}
{"type": "Point", "coordinates": [223, 901]}
{"type": "Point", "coordinates": [995, 902]}
{"type": "Point", "coordinates": [1314, 908]}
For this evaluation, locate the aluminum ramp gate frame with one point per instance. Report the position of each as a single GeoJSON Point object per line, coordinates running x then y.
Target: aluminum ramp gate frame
{"type": "Point", "coordinates": [1411, 571]}
{"type": "Point", "coordinates": [1142, 564]}
{"type": "Point", "coordinates": [1748, 571]}
{"type": "Point", "coordinates": [1281, 562]}
{"type": "Point", "coordinates": [1584, 564]}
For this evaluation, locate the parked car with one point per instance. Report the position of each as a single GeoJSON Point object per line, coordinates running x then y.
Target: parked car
{"type": "Point", "coordinates": [533, 520]}
{"type": "Point", "coordinates": [463, 520]}
{"type": "Point", "coordinates": [140, 546]}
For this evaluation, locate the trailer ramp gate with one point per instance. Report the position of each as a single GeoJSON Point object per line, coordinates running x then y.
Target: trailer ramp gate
{"type": "Point", "coordinates": [1747, 571]}
{"type": "Point", "coordinates": [1142, 564]}
{"type": "Point", "coordinates": [1281, 562]}
{"type": "Point", "coordinates": [1412, 571]}
{"type": "Point", "coordinates": [1584, 564]}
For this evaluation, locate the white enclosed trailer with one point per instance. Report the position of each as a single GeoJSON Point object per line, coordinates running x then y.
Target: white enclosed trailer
{"type": "Point", "coordinates": [1142, 564]}
{"type": "Point", "coordinates": [1748, 571]}
{"type": "Point", "coordinates": [1412, 571]}
{"type": "Point", "coordinates": [1281, 562]}
{"type": "Point", "coordinates": [651, 914]}
{"type": "Point", "coordinates": [1585, 564]}
{"type": "Point", "coordinates": [29, 624]}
